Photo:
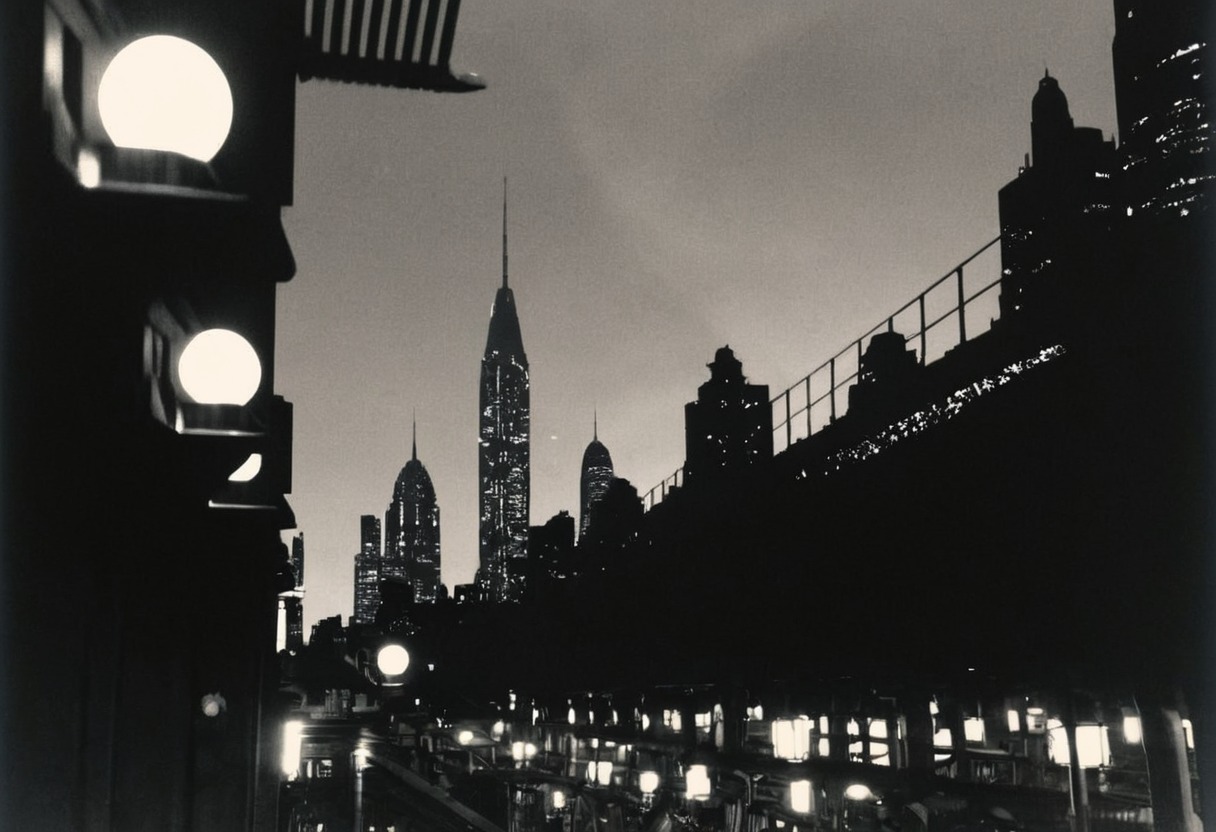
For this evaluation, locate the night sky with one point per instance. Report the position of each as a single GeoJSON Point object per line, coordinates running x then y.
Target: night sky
{"type": "Point", "coordinates": [778, 176]}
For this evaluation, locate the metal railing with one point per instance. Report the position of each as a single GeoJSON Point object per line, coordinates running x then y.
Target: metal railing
{"type": "Point", "coordinates": [802, 410]}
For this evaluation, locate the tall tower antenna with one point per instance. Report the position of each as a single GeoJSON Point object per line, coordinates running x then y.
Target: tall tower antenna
{"type": "Point", "coordinates": [414, 450]}
{"type": "Point", "coordinates": [504, 232]}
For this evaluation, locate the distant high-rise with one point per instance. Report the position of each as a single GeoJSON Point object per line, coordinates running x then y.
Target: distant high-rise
{"type": "Point", "coordinates": [291, 602]}
{"type": "Point", "coordinates": [593, 482]}
{"type": "Point", "coordinates": [411, 530]}
{"type": "Point", "coordinates": [1163, 95]}
{"type": "Point", "coordinates": [504, 450]}
{"type": "Point", "coordinates": [1066, 189]}
{"type": "Point", "coordinates": [729, 428]}
{"type": "Point", "coordinates": [367, 570]}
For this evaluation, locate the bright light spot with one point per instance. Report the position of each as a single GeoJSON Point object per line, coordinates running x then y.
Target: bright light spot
{"type": "Point", "coordinates": [570, 716]}
{"type": "Point", "coordinates": [825, 747]}
{"type": "Point", "coordinates": [517, 751]}
{"type": "Point", "coordinates": [600, 772]}
{"type": "Point", "coordinates": [1188, 733]}
{"type": "Point", "coordinates": [858, 791]}
{"type": "Point", "coordinates": [293, 736]}
{"type": "Point", "coordinates": [696, 783]}
{"type": "Point", "coordinates": [464, 737]}
{"type": "Point", "coordinates": [165, 93]}
{"type": "Point", "coordinates": [1132, 734]}
{"type": "Point", "coordinates": [645, 722]}
{"type": "Point", "coordinates": [529, 750]}
{"type": "Point", "coordinates": [88, 168]}
{"type": "Point", "coordinates": [973, 729]}
{"type": "Point", "coordinates": [648, 781]}
{"type": "Point", "coordinates": [933, 709]}
{"type": "Point", "coordinates": [942, 738]}
{"type": "Point", "coordinates": [213, 705]}
{"type": "Point", "coordinates": [496, 729]}
{"type": "Point", "coordinates": [1014, 720]}
{"type": "Point", "coordinates": [361, 755]}
{"type": "Point", "coordinates": [248, 470]}
{"type": "Point", "coordinates": [800, 796]}
{"type": "Point", "coordinates": [880, 754]}
{"type": "Point", "coordinates": [853, 729]}
{"type": "Point", "coordinates": [559, 800]}
{"type": "Point", "coordinates": [218, 366]}
{"type": "Point", "coordinates": [392, 659]}
{"type": "Point", "coordinates": [791, 738]}
{"type": "Point", "coordinates": [878, 728]}
{"type": "Point", "coordinates": [824, 725]}
{"type": "Point", "coordinates": [702, 720]}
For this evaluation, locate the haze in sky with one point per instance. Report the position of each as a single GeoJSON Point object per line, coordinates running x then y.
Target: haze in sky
{"type": "Point", "coordinates": [776, 176]}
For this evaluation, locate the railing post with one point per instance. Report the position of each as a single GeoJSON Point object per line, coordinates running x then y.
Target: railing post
{"type": "Point", "coordinates": [962, 315]}
{"type": "Point", "coordinates": [808, 406]}
{"type": "Point", "coordinates": [789, 421]}
{"type": "Point", "coordinates": [832, 389]}
{"type": "Point", "coordinates": [923, 351]}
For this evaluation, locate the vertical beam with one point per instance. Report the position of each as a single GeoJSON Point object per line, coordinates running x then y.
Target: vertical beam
{"type": "Point", "coordinates": [808, 405]}
{"type": "Point", "coordinates": [920, 300]}
{"type": "Point", "coordinates": [411, 30]}
{"type": "Point", "coordinates": [392, 42]}
{"type": "Point", "coordinates": [428, 32]}
{"type": "Point", "coordinates": [832, 389]}
{"type": "Point", "coordinates": [962, 301]}
{"type": "Point", "coordinates": [448, 34]}
{"type": "Point", "coordinates": [789, 421]}
{"type": "Point", "coordinates": [375, 30]}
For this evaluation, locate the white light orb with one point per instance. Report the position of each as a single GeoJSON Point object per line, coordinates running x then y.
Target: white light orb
{"type": "Point", "coordinates": [248, 470]}
{"type": "Point", "coordinates": [219, 366]}
{"type": "Point", "coordinates": [392, 659]}
{"type": "Point", "coordinates": [464, 737]}
{"type": "Point", "coordinates": [165, 93]}
{"type": "Point", "coordinates": [858, 791]}
{"type": "Point", "coordinates": [648, 781]}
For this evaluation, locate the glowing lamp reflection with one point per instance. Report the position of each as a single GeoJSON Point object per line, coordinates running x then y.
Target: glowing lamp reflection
{"type": "Point", "coordinates": [293, 737]}
{"type": "Point", "coordinates": [800, 796]}
{"type": "Point", "coordinates": [464, 737]}
{"type": "Point", "coordinates": [248, 470]}
{"type": "Point", "coordinates": [218, 366]}
{"type": "Point", "coordinates": [393, 659]}
{"type": "Point", "coordinates": [696, 783]}
{"type": "Point", "coordinates": [858, 791]}
{"type": "Point", "coordinates": [165, 93]}
{"type": "Point", "coordinates": [648, 781]}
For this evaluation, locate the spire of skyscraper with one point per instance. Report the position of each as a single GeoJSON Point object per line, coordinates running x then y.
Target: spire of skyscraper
{"type": "Point", "coordinates": [414, 442]}
{"type": "Point", "coordinates": [504, 232]}
{"type": "Point", "coordinates": [504, 458]}
{"type": "Point", "coordinates": [594, 478]}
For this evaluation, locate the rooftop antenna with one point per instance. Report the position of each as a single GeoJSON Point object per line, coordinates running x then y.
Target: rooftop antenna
{"type": "Point", "coordinates": [504, 232]}
{"type": "Point", "coordinates": [414, 450]}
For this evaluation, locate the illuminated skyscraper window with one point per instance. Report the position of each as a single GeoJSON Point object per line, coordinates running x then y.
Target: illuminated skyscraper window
{"type": "Point", "coordinates": [367, 570]}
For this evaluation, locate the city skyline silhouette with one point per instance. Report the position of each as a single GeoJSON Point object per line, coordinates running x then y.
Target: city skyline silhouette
{"type": "Point", "coordinates": [778, 182]}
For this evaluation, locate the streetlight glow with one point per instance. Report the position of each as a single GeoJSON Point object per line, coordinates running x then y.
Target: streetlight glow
{"type": "Point", "coordinates": [392, 659]}
{"type": "Point", "coordinates": [218, 366]}
{"type": "Point", "coordinates": [648, 781]}
{"type": "Point", "coordinates": [165, 93]}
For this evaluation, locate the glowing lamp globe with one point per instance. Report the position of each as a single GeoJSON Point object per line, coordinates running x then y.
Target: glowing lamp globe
{"type": "Point", "coordinates": [392, 659]}
{"type": "Point", "coordinates": [165, 93]}
{"type": "Point", "coordinates": [648, 781]}
{"type": "Point", "coordinates": [218, 366]}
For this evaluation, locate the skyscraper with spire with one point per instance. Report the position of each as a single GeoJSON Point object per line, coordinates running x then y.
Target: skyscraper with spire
{"type": "Point", "coordinates": [504, 448]}
{"type": "Point", "coordinates": [595, 477]}
{"type": "Point", "coordinates": [411, 526]}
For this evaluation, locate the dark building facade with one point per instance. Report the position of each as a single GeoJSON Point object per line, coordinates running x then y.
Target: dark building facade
{"type": "Point", "coordinates": [411, 531]}
{"type": "Point", "coordinates": [729, 428]}
{"type": "Point", "coordinates": [551, 547]}
{"type": "Point", "coordinates": [504, 456]}
{"type": "Point", "coordinates": [1163, 98]}
{"type": "Point", "coordinates": [367, 570]}
{"type": "Point", "coordinates": [1067, 186]}
{"type": "Point", "coordinates": [593, 480]}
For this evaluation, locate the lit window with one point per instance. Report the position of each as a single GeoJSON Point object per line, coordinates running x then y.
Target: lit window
{"type": "Point", "coordinates": [800, 796]}
{"type": "Point", "coordinates": [973, 729]}
{"type": "Point", "coordinates": [1015, 721]}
